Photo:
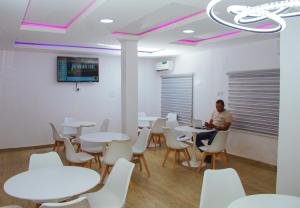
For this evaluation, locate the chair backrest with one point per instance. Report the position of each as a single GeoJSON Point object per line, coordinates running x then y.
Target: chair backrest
{"type": "Point", "coordinates": [220, 188]}
{"type": "Point", "coordinates": [158, 125]}
{"type": "Point", "coordinates": [104, 125]}
{"type": "Point", "coordinates": [172, 124]}
{"type": "Point", "coordinates": [140, 114]}
{"type": "Point", "coordinates": [55, 134]}
{"type": "Point", "coordinates": [117, 150]}
{"type": "Point", "coordinates": [219, 142]}
{"type": "Point", "coordinates": [171, 138]}
{"type": "Point", "coordinates": [81, 202]}
{"type": "Point", "coordinates": [70, 152]}
{"type": "Point", "coordinates": [142, 141]}
{"type": "Point", "coordinates": [172, 116]}
{"type": "Point", "coordinates": [69, 130]}
{"type": "Point", "coordinates": [44, 160]}
{"type": "Point", "coordinates": [118, 180]}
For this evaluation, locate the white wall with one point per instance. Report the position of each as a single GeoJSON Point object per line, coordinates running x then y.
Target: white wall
{"type": "Point", "coordinates": [30, 97]}
{"type": "Point", "coordinates": [210, 83]}
{"type": "Point", "coordinates": [288, 172]}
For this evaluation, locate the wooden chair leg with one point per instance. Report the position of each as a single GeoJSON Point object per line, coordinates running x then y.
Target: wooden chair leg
{"type": "Point", "coordinates": [187, 152]}
{"type": "Point", "coordinates": [145, 164]}
{"type": "Point", "coordinates": [213, 161]}
{"type": "Point", "coordinates": [178, 157]}
{"type": "Point", "coordinates": [166, 157]}
{"type": "Point", "coordinates": [204, 155]}
{"type": "Point", "coordinates": [105, 172]}
{"type": "Point", "coordinates": [225, 161]}
{"type": "Point", "coordinates": [140, 163]}
{"type": "Point", "coordinates": [175, 159]}
{"type": "Point", "coordinates": [186, 157]}
{"type": "Point", "coordinates": [99, 161]}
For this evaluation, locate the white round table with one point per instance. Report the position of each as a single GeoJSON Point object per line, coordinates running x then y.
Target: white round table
{"type": "Point", "coordinates": [187, 129]}
{"type": "Point", "coordinates": [266, 201]}
{"type": "Point", "coordinates": [51, 184]}
{"type": "Point", "coordinates": [104, 137]}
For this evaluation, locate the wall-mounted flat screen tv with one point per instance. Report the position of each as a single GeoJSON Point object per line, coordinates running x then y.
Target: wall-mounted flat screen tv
{"type": "Point", "coordinates": [77, 69]}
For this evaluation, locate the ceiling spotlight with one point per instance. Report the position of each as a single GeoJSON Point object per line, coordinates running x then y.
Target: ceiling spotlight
{"type": "Point", "coordinates": [107, 21]}
{"type": "Point", "coordinates": [243, 15]}
{"type": "Point", "coordinates": [188, 31]}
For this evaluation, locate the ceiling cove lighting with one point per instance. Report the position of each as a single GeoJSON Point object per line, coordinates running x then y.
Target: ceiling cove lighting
{"type": "Point", "coordinates": [158, 27]}
{"type": "Point", "coordinates": [56, 26]}
{"type": "Point", "coordinates": [19, 43]}
{"type": "Point", "coordinates": [188, 31]}
{"type": "Point", "coordinates": [222, 35]}
{"type": "Point", "coordinates": [107, 21]}
{"type": "Point", "coordinates": [243, 15]}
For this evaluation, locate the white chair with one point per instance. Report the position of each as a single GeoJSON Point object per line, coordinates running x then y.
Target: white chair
{"type": "Point", "coordinates": [157, 133]}
{"type": "Point", "coordinates": [69, 131]}
{"type": "Point", "coordinates": [172, 124]}
{"type": "Point", "coordinates": [44, 160]}
{"type": "Point", "coordinates": [142, 124]}
{"type": "Point", "coordinates": [104, 125]}
{"type": "Point", "coordinates": [220, 188]}
{"type": "Point", "coordinates": [139, 148]}
{"type": "Point", "coordinates": [58, 138]}
{"type": "Point", "coordinates": [96, 149]}
{"type": "Point", "coordinates": [217, 147]}
{"type": "Point", "coordinates": [11, 206]}
{"type": "Point", "coordinates": [80, 158]}
{"type": "Point", "coordinates": [177, 147]}
{"type": "Point", "coordinates": [81, 202]}
{"type": "Point", "coordinates": [113, 194]}
{"type": "Point", "coordinates": [115, 151]}
{"type": "Point", "coordinates": [172, 116]}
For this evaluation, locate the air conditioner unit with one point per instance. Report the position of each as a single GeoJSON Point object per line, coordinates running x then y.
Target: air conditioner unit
{"type": "Point", "coordinates": [164, 65]}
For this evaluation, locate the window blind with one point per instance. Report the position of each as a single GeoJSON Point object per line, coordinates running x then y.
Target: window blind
{"type": "Point", "coordinates": [177, 97]}
{"type": "Point", "coordinates": [254, 100]}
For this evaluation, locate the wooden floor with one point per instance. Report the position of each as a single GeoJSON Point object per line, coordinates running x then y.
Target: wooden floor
{"type": "Point", "coordinates": [167, 187]}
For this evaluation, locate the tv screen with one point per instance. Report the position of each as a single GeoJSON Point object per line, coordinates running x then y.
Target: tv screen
{"type": "Point", "coordinates": [76, 69]}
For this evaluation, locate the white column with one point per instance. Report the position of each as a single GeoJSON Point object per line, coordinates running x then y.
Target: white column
{"type": "Point", "coordinates": [129, 86]}
{"type": "Point", "coordinates": [288, 165]}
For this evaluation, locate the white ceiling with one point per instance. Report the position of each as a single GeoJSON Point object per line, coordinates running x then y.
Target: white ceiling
{"type": "Point", "coordinates": [132, 16]}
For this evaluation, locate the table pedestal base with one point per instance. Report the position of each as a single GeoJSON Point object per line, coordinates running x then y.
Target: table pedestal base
{"type": "Point", "coordinates": [194, 163]}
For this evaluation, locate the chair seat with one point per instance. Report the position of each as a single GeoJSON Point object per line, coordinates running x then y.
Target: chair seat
{"type": "Point", "coordinates": [61, 138]}
{"type": "Point", "coordinates": [136, 150]}
{"type": "Point", "coordinates": [207, 149]}
{"type": "Point", "coordinates": [143, 125]}
{"type": "Point", "coordinates": [184, 139]}
{"type": "Point", "coordinates": [179, 145]}
{"type": "Point", "coordinates": [103, 199]}
{"type": "Point", "coordinates": [84, 157]}
{"type": "Point", "coordinates": [96, 149]}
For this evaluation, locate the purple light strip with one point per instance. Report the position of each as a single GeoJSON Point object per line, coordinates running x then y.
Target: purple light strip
{"type": "Point", "coordinates": [76, 46]}
{"type": "Point", "coordinates": [56, 26]}
{"type": "Point", "coordinates": [158, 27]}
{"type": "Point", "coordinates": [236, 32]}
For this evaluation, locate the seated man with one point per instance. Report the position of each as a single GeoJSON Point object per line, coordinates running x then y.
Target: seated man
{"type": "Point", "coordinates": [220, 121]}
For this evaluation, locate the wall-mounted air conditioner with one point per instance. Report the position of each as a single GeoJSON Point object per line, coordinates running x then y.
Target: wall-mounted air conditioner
{"type": "Point", "coordinates": [164, 65]}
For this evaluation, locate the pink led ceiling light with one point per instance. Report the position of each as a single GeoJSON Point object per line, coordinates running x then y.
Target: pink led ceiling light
{"type": "Point", "coordinates": [158, 27]}
{"type": "Point", "coordinates": [222, 35]}
{"type": "Point", "coordinates": [56, 26]}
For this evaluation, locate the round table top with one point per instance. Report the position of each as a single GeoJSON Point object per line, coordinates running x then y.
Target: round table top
{"type": "Point", "coordinates": [104, 137]}
{"type": "Point", "coordinates": [266, 201]}
{"type": "Point", "coordinates": [189, 129]}
{"type": "Point", "coordinates": [51, 184]}
{"type": "Point", "coordinates": [77, 124]}
{"type": "Point", "coordinates": [148, 118]}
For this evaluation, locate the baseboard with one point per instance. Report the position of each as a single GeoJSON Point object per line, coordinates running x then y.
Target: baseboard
{"type": "Point", "coordinates": [257, 163]}
{"type": "Point", "coordinates": [26, 148]}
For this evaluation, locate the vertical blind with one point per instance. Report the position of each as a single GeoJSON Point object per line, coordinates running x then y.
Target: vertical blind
{"type": "Point", "coordinates": [254, 100]}
{"type": "Point", "coordinates": [177, 97]}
